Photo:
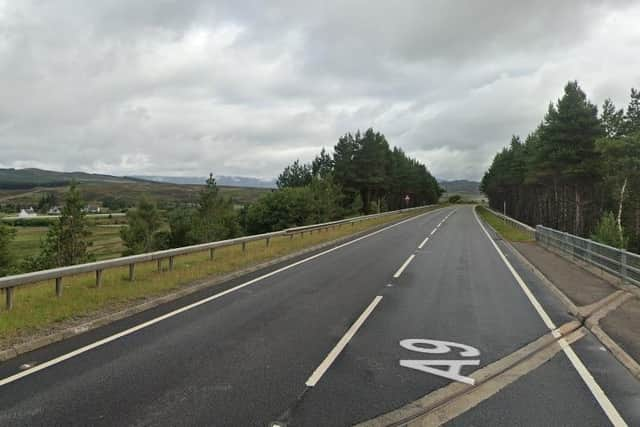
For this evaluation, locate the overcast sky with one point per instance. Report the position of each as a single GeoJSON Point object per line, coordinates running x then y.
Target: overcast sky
{"type": "Point", "coordinates": [240, 88]}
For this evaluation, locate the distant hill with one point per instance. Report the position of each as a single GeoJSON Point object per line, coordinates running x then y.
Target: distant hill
{"type": "Point", "coordinates": [25, 187]}
{"type": "Point", "coordinates": [231, 181]}
{"type": "Point", "coordinates": [23, 179]}
{"type": "Point", "coordinates": [461, 186]}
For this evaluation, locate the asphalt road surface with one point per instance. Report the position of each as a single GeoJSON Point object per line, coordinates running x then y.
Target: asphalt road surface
{"type": "Point", "coordinates": [338, 337]}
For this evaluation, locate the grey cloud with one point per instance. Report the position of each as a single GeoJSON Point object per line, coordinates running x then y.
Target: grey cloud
{"type": "Point", "coordinates": [184, 87]}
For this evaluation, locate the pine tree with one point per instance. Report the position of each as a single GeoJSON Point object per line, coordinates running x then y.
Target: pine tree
{"type": "Point", "coordinates": [215, 218]}
{"type": "Point", "coordinates": [613, 123]}
{"type": "Point", "coordinates": [632, 117]}
{"type": "Point", "coordinates": [67, 240]}
{"type": "Point", "coordinates": [322, 165]}
{"type": "Point", "coordinates": [143, 222]}
{"type": "Point", "coordinates": [295, 175]}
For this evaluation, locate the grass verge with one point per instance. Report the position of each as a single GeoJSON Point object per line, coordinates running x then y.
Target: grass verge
{"type": "Point", "coordinates": [504, 228]}
{"type": "Point", "coordinates": [36, 307]}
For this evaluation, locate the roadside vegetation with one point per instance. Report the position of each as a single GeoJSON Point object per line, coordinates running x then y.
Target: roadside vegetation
{"type": "Point", "coordinates": [36, 306]}
{"type": "Point", "coordinates": [504, 228]}
{"type": "Point", "coordinates": [364, 175]}
{"type": "Point", "coordinates": [578, 172]}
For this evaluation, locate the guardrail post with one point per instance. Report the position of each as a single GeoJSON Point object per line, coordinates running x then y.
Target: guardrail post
{"type": "Point", "coordinates": [159, 265]}
{"type": "Point", "coordinates": [211, 252]}
{"type": "Point", "coordinates": [589, 258]}
{"type": "Point", "coordinates": [171, 263]}
{"type": "Point", "coordinates": [99, 278]}
{"type": "Point", "coordinates": [623, 265]}
{"type": "Point", "coordinates": [244, 246]}
{"type": "Point", "coordinates": [9, 297]}
{"type": "Point", "coordinates": [268, 239]}
{"type": "Point", "coordinates": [58, 286]}
{"type": "Point", "coordinates": [302, 234]}
{"type": "Point", "coordinates": [132, 272]}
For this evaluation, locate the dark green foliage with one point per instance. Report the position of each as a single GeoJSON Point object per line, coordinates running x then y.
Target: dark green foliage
{"type": "Point", "coordinates": [215, 218]}
{"type": "Point", "coordinates": [574, 167]}
{"type": "Point", "coordinates": [632, 117]}
{"type": "Point", "coordinates": [181, 224]}
{"type": "Point", "coordinates": [47, 201]}
{"type": "Point", "coordinates": [607, 231]}
{"type": "Point", "coordinates": [31, 222]}
{"type": "Point", "coordinates": [363, 176]}
{"type": "Point", "coordinates": [365, 166]}
{"type": "Point", "coordinates": [143, 222]}
{"type": "Point", "coordinates": [293, 206]}
{"type": "Point", "coordinates": [67, 240]}
{"type": "Point", "coordinates": [114, 203]}
{"type": "Point", "coordinates": [612, 120]}
{"type": "Point", "coordinates": [322, 165]}
{"type": "Point", "coordinates": [6, 260]}
{"type": "Point", "coordinates": [455, 199]}
{"type": "Point", "coordinates": [295, 175]}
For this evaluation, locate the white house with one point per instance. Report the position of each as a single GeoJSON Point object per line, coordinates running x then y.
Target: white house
{"type": "Point", "coordinates": [54, 211]}
{"type": "Point", "coordinates": [26, 213]}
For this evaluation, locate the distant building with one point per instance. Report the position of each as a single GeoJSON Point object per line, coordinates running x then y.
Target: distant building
{"type": "Point", "coordinates": [27, 213]}
{"type": "Point", "coordinates": [54, 211]}
{"type": "Point", "coordinates": [92, 209]}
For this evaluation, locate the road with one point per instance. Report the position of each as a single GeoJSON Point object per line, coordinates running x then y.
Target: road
{"type": "Point", "coordinates": [322, 340]}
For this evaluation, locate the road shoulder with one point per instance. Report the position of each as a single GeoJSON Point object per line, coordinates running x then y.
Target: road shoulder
{"type": "Point", "coordinates": [584, 294]}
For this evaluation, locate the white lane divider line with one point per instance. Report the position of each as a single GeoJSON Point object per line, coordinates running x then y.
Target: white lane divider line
{"type": "Point", "coordinates": [597, 392]}
{"type": "Point", "coordinates": [193, 305]}
{"type": "Point", "coordinates": [424, 242]}
{"type": "Point", "coordinates": [335, 352]}
{"type": "Point", "coordinates": [403, 266]}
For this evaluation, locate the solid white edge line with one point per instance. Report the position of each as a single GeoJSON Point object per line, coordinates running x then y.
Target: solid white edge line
{"type": "Point", "coordinates": [597, 392]}
{"type": "Point", "coordinates": [335, 352]}
{"type": "Point", "coordinates": [424, 242]}
{"type": "Point", "coordinates": [403, 266]}
{"type": "Point", "coordinates": [155, 320]}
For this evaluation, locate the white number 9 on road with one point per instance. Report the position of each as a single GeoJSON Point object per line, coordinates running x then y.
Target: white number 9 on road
{"type": "Point", "coordinates": [438, 347]}
{"type": "Point", "coordinates": [452, 368]}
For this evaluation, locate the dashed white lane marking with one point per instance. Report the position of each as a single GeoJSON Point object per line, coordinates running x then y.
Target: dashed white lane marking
{"type": "Point", "coordinates": [597, 392]}
{"type": "Point", "coordinates": [155, 320]}
{"type": "Point", "coordinates": [335, 352]}
{"type": "Point", "coordinates": [403, 266]}
{"type": "Point", "coordinates": [424, 242]}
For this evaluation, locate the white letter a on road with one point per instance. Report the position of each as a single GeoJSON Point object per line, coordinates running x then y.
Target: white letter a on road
{"type": "Point", "coordinates": [452, 372]}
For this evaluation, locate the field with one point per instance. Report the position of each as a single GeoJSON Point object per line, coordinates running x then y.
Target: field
{"type": "Point", "coordinates": [130, 193]}
{"type": "Point", "coordinates": [105, 234]}
{"type": "Point", "coordinates": [105, 231]}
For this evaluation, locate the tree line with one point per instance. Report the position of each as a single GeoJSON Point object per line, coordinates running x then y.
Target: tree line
{"type": "Point", "coordinates": [363, 175]}
{"type": "Point", "coordinates": [578, 171]}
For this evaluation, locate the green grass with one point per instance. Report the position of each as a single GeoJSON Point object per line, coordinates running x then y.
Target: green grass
{"type": "Point", "coordinates": [506, 230]}
{"type": "Point", "coordinates": [106, 241]}
{"type": "Point", "coordinates": [36, 306]}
